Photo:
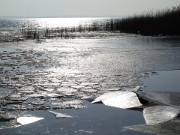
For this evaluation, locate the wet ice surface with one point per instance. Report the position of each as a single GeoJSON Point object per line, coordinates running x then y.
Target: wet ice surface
{"type": "Point", "coordinates": [62, 74]}
{"type": "Point", "coordinates": [159, 114]}
{"type": "Point", "coordinates": [121, 99]}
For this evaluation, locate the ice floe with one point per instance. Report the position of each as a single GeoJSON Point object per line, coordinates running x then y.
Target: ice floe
{"type": "Point", "coordinates": [60, 115]}
{"type": "Point", "coordinates": [159, 114]}
{"type": "Point", "coordinates": [76, 104]}
{"type": "Point", "coordinates": [28, 120]}
{"type": "Point", "coordinates": [120, 99]}
{"type": "Point", "coordinates": [27, 88]}
{"type": "Point", "coordinates": [165, 98]}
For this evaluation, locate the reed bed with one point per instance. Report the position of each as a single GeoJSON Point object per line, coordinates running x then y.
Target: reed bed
{"type": "Point", "coordinates": [165, 22]}
{"type": "Point", "coordinates": [45, 33]}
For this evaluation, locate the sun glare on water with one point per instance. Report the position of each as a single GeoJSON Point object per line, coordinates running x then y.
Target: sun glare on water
{"type": "Point", "coordinates": [63, 22]}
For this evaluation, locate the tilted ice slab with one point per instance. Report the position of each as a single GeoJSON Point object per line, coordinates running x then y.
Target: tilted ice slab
{"type": "Point", "coordinates": [164, 98]}
{"type": "Point", "coordinates": [167, 108]}
{"type": "Point", "coordinates": [133, 98]}
{"type": "Point", "coordinates": [159, 114]}
{"type": "Point", "coordinates": [60, 115]}
{"type": "Point", "coordinates": [120, 99]}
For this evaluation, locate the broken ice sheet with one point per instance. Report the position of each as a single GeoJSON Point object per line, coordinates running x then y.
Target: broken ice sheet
{"type": "Point", "coordinates": [166, 98]}
{"type": "Point", "coordinates": [88, 84]}
{"type": "Point", "coordinates": [49, 89]}
{"type": "Point", "coordinates": [159, 114]}
{"type": "Point", "coordinates": [6, 116]}
{"type": "Point", "coordinates": [26, 92]}
{"type": "Point", "coordinates": [76, 104]}
{"type": "Point", "coordinates": [60, 115]}
{"type": "Point", "coordinates": [5, 94]}
{"type": "Point", "coordinates": [89, 90]}
{"type": "Point", "coordinates": [88, 98]}
{"type": "Point", "coordinates": [77, 86]}
{"type": "Point", "coordinates": [6, 90]}
{"type": "Point", "coordinates": [10, 124]}
{"type": "Point", "coordinates": [27, 88]}
{"type": "Point", "coordinates": [120, 99]}
{"type": "Point", "coordinates": [112, 89]}
{"type": "Point", "coordinates": [52, 95]}
{"type": "Point", "coordinates": [36, 95]}
{"type": "Point", "coordinates": [20, 99]}
{"type": "Point", "coordinates": [38, 102]}
{"type": "Point", "coordinates": [15, 96]}
{"type": "Point", "coordinates": [67, 91]}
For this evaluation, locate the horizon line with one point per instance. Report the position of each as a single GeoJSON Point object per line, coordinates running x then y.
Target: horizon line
{"type": "Point", "coordinates": [113, 16]}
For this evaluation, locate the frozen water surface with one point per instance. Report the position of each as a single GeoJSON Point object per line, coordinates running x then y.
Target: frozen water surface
{"type": "Point", "coordinates": [64, 73]}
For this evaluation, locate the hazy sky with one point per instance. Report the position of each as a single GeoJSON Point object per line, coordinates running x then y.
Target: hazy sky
{"type": "Point", "coordinates": [29, 8]}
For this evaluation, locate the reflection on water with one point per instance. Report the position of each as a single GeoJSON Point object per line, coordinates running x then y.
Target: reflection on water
{"type": "Point", "coordinates": [66, 22]}
{"type": "Point", "coordinates": [163, 81]}
{"type": "Point", "coordinates": [48, 22]}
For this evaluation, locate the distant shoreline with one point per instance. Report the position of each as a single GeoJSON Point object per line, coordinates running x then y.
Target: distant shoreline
{"type": "Point", "coordinates": [161, 23]}
{"type": "Point", "coordinates": [165, 22]}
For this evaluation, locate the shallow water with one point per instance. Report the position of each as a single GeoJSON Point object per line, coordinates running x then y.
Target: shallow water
{"type": "Point", "coordinates": [59, 73]}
